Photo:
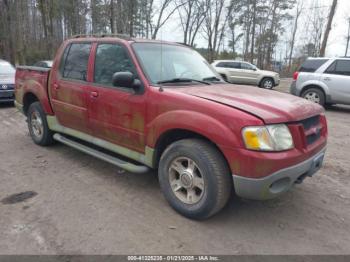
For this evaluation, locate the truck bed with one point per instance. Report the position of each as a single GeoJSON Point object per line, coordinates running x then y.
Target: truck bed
{"type": "Point", "coordinates": [31, 79]}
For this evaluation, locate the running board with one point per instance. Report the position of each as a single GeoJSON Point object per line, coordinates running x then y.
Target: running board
{"type": "Point", "coordinates": [100, 155]}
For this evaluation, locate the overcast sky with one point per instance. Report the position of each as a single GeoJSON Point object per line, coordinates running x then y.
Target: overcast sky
{"type": "Point", "coordinates": [336, 43]}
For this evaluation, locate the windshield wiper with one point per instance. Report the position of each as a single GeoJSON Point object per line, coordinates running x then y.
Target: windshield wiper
{"type": "Point", "coordinates": [182, 80]}
{"type": "Point", "coordinates": [212, 78]}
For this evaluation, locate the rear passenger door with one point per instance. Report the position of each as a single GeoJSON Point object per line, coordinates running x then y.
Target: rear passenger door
{"type": "Point", "coordinates": [68, 87]}
{"type": "Point", "coordinates": [116, 114]}
{"type": "Point", "coordinates": [337, 78]}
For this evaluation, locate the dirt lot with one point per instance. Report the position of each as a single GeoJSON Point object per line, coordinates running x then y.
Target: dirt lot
{"type": "Point", "coordinates": [86, 206]}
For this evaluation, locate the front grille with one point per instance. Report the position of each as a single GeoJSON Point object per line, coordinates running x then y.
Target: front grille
{"type": "Point", "coordinates": [312, 129]}
{"type": "Point", "coordinates": [7, 94]}
{"type": "Point", "coordinates": [7, 86]}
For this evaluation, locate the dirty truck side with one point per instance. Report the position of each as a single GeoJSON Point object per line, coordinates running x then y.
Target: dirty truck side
{"type": "Point", "coordinates": [144, 105]}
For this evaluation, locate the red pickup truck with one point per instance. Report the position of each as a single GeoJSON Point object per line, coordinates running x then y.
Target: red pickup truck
{"type": "Point", "coordinates": [142, 104]}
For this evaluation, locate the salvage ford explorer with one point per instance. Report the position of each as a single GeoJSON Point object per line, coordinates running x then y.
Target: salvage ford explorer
{"type": "Point", "coordinates": [141, 104]}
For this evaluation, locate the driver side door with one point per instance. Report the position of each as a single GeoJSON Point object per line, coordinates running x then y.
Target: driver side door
{"type": "Point", "coordinates": [116, 114]}
{"type": "Point", "coordinates": [249, 75]}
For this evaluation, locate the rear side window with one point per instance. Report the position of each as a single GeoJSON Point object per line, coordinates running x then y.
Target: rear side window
{"type": "Point", "coordinates": [339, 67]}
{"type": "Point", "coordinates": [229, 65]}
{"type": "Point", "coordinates": [221, 64]}
{"type": "Point", "coordinates": [110, 59]}
{"type": "Point", "coordinates": [311, 65]}
{"type": "Point", "coordinates": [75, 64]}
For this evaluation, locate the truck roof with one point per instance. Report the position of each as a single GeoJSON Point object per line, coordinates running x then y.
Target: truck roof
{"type": "Point", "coordinates": [111, 37]}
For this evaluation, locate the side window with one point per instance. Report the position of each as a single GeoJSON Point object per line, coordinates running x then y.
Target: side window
{"type": "Point", "coordinates": [76, 62]}
{"type": "Point", "coordinates": [340, 67]}
{"type": "Point", "coordinates": [343, 67]}
{"type": "Point", "coordinates": [311, 65]}
{"type": "Point", "coordinates": [246, 66]}
{"type": "Point", "coordinates": [331, 68]}
{"type": "Point", "coordinates": [221, 64]}
{"type": "Point", "coordinates": [235, 65]}
{"type": "Point", "coordinates": [110, 59]}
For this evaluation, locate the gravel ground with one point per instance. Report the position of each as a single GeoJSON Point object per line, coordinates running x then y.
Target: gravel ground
{"type": "Point", "coordinates": [80, 205]}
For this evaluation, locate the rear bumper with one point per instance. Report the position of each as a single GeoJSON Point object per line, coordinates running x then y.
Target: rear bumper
{"type": "Point", "coordinates": [279, 182]}
{"type": "Point", "coordinates": [293, 89]}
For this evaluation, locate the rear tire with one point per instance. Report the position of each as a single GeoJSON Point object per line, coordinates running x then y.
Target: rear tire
{"type": "Point", "coordinates": [38, 127]}
{"type": "Point", "coordinates": [224, 77]}
{"type": "Point", "coordinates": [195, 178]}
{"type": "Point", "coordinates": [314, 95]}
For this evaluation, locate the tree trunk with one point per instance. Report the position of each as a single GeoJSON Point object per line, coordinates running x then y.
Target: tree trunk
{"type": "Point", "coordinates": [348, 39]}
{"type": "Point", "coordinates": [328, 28]}
{"type": "Point", "coordinates": [253, 33]}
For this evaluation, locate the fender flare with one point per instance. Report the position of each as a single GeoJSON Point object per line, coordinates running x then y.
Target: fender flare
{"type": "Point", "coordinates": [204, 125]}
{"type": "Point", "coordinates": [35, 88]}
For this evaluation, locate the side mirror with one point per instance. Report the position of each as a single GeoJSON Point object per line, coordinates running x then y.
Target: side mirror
{"type": "Point", "coordinates": [126, 80]}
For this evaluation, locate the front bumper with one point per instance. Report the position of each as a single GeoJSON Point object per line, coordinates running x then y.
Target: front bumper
{"type": "Point", "coordinates": [277, 81]}
{"type": "Point", "coordinates": [7, 95]}
{"type": "Point", "coordinates": [278, 183]}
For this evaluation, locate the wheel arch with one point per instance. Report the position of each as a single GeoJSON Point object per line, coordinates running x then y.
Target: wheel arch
{"type": "Point", "coordinates": [315, 86]}
{"type": "Point", "coordinates": [173, 135]}
{"type": "Point", "coordinates": [28, 99]}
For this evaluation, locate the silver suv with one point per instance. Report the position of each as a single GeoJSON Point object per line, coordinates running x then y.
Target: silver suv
{"type": "Point", "coordinates": [325, 81]}
{"type": "Point", "coordinates": [238, 72]}
{"type": "Point", "coordinates": [7, 81]}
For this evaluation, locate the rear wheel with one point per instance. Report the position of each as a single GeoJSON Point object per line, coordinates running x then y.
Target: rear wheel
{"type": "Point", "coordinates": [38, 127]}
{"type": "Point", "coordinates": [314, 95]}
{"type": "Point", "coordinates": [194, 178]}
{"type": "Point", "coordinates": [224, 77]}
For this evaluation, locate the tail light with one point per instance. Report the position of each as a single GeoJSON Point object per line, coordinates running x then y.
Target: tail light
{"type": "Point", "coordinates": [324, 125]}
{"type": "Point", "coordinates": [295, 75]}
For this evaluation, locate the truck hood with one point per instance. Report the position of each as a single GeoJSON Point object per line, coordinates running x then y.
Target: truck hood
{"type": "Point", "coordinates": [7, 78]}
{"type": "Point", "coordinates": [270, 106]}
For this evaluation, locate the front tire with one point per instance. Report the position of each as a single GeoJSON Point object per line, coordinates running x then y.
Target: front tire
{"type": "Point", "coordinates": [195, 178]}
{"type": "Point", "coordinates": [38, 127]}
{"type": "Point", "coordinates": [267, 83]}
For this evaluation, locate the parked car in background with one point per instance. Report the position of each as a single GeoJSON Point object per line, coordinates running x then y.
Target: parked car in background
{"type": "Point", "coordinates": [238, 72]}
{"type": "Point", "coordinates": [45, 64]}
{"type": "Point", "coordinates": [325, 81]}
{"type": "Point", "coordinates": [7, 81]}
{"type": "Point", "coordinates": [121, 101]}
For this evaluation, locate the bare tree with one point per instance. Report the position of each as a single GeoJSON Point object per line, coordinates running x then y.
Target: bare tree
{"type": "Point", "coordinates": [213, 25]}
{"type": "Point", "coordinates": [163, 15]}
{"type": "Point", "coordinates": [328, 28]}
{"type": "Point", "coordinates": [347, 39]}
{"type": "Point", "coordinates": [192, 15]}
{"type": "Point", "coordinates": [298, 12]}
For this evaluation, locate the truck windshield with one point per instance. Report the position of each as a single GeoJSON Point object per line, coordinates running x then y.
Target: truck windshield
{"type": "Point", "coordinates": [173, 64]}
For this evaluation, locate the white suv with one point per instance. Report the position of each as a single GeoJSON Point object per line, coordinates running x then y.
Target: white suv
{"type": "Point", "coordinates": [323, 81]}
{"type": "Point", "coordinates": [238, 72]}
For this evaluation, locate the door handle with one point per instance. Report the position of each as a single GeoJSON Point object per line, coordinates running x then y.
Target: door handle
{"type": "Point", "coordinates": [56, 86]}
{"type": "Point", "coordinates": [94, 94]}
{"type": "Point", "coordinates": [327, 79]}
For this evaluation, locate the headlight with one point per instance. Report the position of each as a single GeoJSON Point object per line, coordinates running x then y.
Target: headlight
{"type": "Point", "coordinates": [268, 138]}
